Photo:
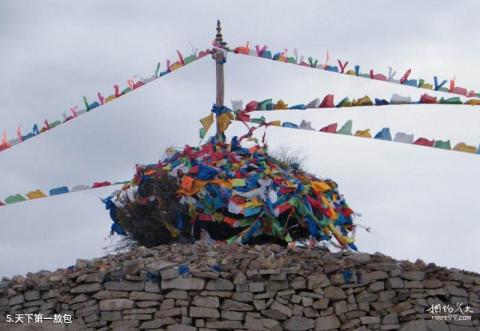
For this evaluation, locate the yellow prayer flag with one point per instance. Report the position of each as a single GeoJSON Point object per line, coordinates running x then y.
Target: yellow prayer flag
{"type": "Point", "coordinates": [462, 147]}
{"type": "Point", "coordinates": [363, 133]}
{"type": "Point", "coordinates": [224, 121]}
{"type": "Point", "coordinates": [281, 105]}
{"type": "Point", "coordinates": [320, 186]}
{"type": "Point", "coordinates": [473, 102]}
{"type": "Point", "coordinates": [37, 194]}
{"type": "Point", "coordinates": [207, 121]}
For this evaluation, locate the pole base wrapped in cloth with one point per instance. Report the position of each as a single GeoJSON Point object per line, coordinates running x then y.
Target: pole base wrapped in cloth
{"type": "Point", "coordinates": [231, 193]}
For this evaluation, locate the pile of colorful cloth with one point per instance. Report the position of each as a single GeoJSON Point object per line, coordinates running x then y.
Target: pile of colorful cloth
{"type": "Point", "coordinates": [238, 195]}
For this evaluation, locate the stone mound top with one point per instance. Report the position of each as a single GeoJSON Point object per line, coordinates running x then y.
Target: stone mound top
{"type": "Point", "coordinates": [233, 287]}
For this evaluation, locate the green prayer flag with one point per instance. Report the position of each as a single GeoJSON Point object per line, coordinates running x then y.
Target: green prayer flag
{"type": "Point", "coordinates": [238, 182]}
{"type": "Point", "coordinates": [346, 128]}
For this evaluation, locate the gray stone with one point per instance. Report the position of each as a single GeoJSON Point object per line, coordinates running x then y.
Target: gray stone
{"type": "Point", "coordinates": [203, 312]}
{"type": "Point", "coordinates": [80, 298]}
{"type": "Point", "coordinates": [111, 315]}
{"type": "Point", "coordinates": [177, 294]}
{"type": "Point", "coordinates": [116, 304]}
{"type": "Point", "coordinates": [243, 296]}
{"type": "Point", "coordinates": [370, 320]}
{"type": "Point", "coordinates": [298, 283]}
{"type": "Point", "coordinates": [32, 295]}
{"type": "Point", "coordinates": [224, 325]}
{"type": "Point", "coordinates": [240, 278]}
{"type": "Point", "coordinates": [256, 323]}
{"type": "Point", "coordinates": [383, 266]}
{"type": "Point", "coordinates": [157, 323]}
{"type": "Point", "coordinates": [205, 274]}
{"type": "Point", "coordinates": [220, 294]}
{"type": "Point", "coordinates": [236, 305]}
{"type": "Point", "coordinates": [145, 296]}
{"type": "Point", "coordinates": [241, 287]}
{"type": "Point", "coordinates": [232, 315]}
{"type": "Point", "coordinates": [285, 293]}
{"type": "Point", "coordinates": [340, 307]}
{"type": "Point", "coordinates": [276, 285]}
{"type": "Point", "coordinates": [436, 292]}
{"type": "Point", "coordinates": [183, 284]}
{"type": "Point", "coordinates": [16, 300]}
{"type": "Point", "coordinates": [219, 284]}
{"type": "Point", "coordinates": [140, 311]}
{"type": "Point", "coordinates": [186, 320]}
{"type": "Point", "coordinates": [432, 283]}
{"type": "Point", "coordinates": [146, 304]}
{"type": "Point", "coordinates": [296, 299]}
{"type": "Point", "coordinates": [376, 287]}
{"type": "Point", "coordinates": [360, 258]}
{"type": "Point", "coordinates": [395, 283]}
{"type": "Point", "coordinates": [298, 323]}
{"type": "Point", "coordinates": [168, 313]}
{"type": "Point", "coordinates": [140, 317]}
{"type": "Point", "coordinates": [373, 276]}
{"type": "Point", "coordinates": [334, 293]}
{"type": "Point", "coordinates": [413, 284]}
{"type": "Point", "coordinates": [259, 304]}
{"type": "Point", "coordinates": [390, 327]}
{"type": "Point", "coordinates": [90, 278]}
{"type": "Point", "coordinates": [274, 314]}
{"type": "Point", "coordinates": [318, 281]}
{"type": "Point", "coordinates": [413, 275]}
{"type": "Point", "coordinates": [209, 302]}
{"type": "Point", "coordinates": [456, 291]}
{"type": "Point", "coordinates": [86, 288]}
{"type": "Point", "coordinates": [110, 295]}
{"type": "Point", "coordinates": [386, 296]}
{"type": "Point", "coordinates": [462, 328]}
{"type": "Point", "coordinates": [306, 301]}
{"type": "Point", "coordinates": [390, 319]}
{"type": "Point", "coordinates": [34, 303]}
{"type": "Point", "coordinates": [124, 286]}
{"type": "Point", "coordinates": [181, 327]}
{"type": "Point", "coordinates": [125, 325]}
{"type": "Point", "coordinates": [169, 273]}
{"type": "Point", "coordinates": [281, 308]}
{"type": "Point", "coordinates": [266, 295]}
{"type": "Point", "coordinates": [152, 287]}
{"type": "Point", "coordinates": [256, 287]}
{"type": "Point", "coordinates": [321, 304]}
{"type": "Point", "coordinates": [433, 325]}
{"type": "Point", "coordinates": [157, 266]}
{"type": "Point", "coordinates": [327, 323]}
{"type": "Point", "coordinates": [402, 306]}
{"type": "Point", "coordinates": [418, 325]}
{"type": "Point", "coordinates": [167, 304]}
{"type": "Point", "coordinates": [87, 311]}
{"type": "Point", "coordinates": [310, 312]}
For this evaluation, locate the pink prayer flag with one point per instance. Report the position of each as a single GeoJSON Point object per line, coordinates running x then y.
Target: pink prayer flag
{"type": "Point", "coordinates": [19, 133]}
{"type": "Point", "coordinates": [4, 139]}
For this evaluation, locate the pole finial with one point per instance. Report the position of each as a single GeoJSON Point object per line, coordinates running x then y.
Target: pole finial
{"type": "Point", "coordinates": [219, 37]}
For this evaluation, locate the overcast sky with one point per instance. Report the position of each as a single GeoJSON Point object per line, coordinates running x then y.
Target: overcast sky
{"type": "Point", "coordinates": [420, 202]}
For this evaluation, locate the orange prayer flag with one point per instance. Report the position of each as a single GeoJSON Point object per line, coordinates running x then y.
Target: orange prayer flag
{"type": "Point", "coordinates": [187, 182]}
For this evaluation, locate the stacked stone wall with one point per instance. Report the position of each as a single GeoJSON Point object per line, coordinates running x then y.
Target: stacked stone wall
{"type": "Point", "coordinates": [221, 287]}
